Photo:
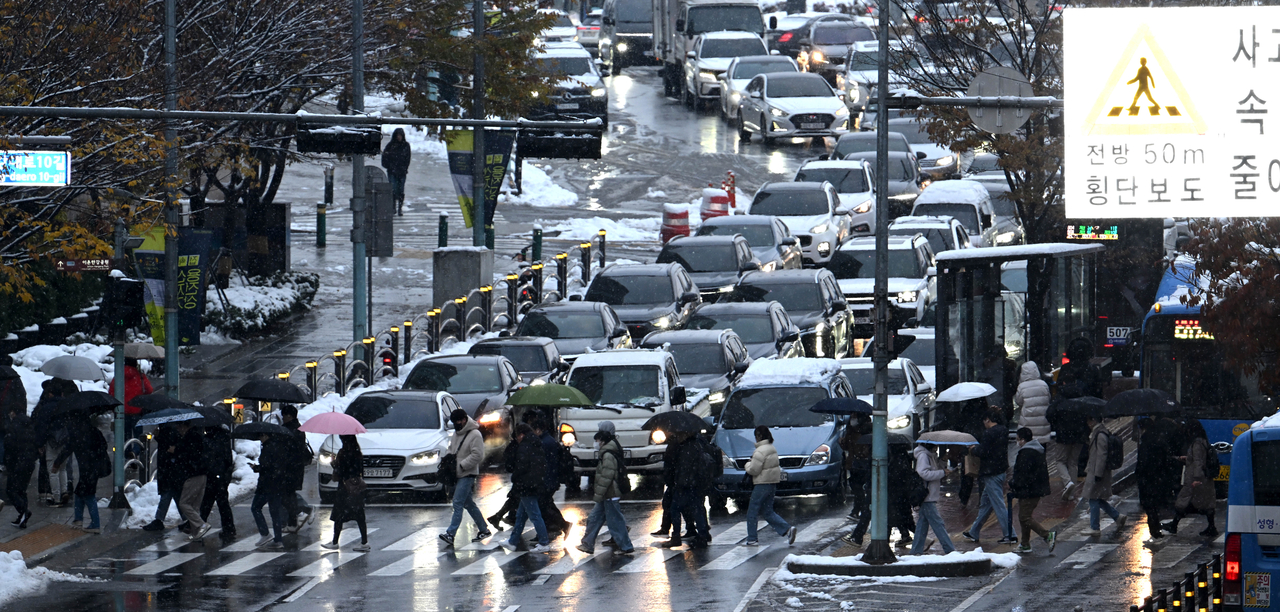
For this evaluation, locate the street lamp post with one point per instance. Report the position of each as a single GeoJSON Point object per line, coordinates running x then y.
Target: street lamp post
{"type": "Point", "coordinates": [171, 379]}
{"type": "Point", "coordinates": [359, 275]}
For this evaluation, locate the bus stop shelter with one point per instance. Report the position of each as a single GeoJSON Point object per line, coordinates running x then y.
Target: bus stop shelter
{"type": "Point", "coordinates": [989, 319]}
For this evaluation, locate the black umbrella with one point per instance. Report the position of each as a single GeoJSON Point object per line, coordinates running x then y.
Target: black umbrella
{"type": "Point", "coordinates": [155, 402]}
{"type": "Point", "coordinates": [1085, 405]}
{"type": "Point", "coordinates": [85, 401]}
{"type": "Point", "coordinates": [214, 416]}
{"type": "Point", "coordinates": [7, 372]}
{"type": "Point", "coordinates": [253, 431]}
{"type": "Point", "coordinates": [894, 438]}
{"type": "Point", "coordinates": [273, 390]}
{"type": "Point", "coordinates": [1140, 401]}
{"type": "Point", "coordinates": [841, 405]}
{"type": "Point", "coordinates": [169, 415]}
{"type": "Point", "coordinates": [676, 421]}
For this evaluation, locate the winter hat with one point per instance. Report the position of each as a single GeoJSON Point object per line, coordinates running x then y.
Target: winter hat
{"type": "Point", "coordinates": [607, 427]}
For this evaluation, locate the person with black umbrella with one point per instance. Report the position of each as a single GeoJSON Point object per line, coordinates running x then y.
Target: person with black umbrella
{"type": "Point", "coordinates": [90, 450]}
{"type": "Point", "coordinates": [273, 484]}
{"type": "Point", "coordinates": [219, 464]}
{"type": "Point", "coordinates": [13, 395]}
{"type": "Point", "coordinates": [1197, 492]}
{"type": "Point", "coordinates": [1069, 434]}
{"type": "Point", "coordinates": [546, 501]}
{"type": "Point", "coordinates": [20, 452]}
{"type": "Point", "coordinates": [51, 432]}
{"type": "Point", "coordinates": [993, 452]}
{"type": "Point", "coordinates": [1157, 469]}
{"type": "Point", "coordinates": [169, 477]}
{"type": "Point", "coordinates": [528, 480]}
{"type": "Point", "coordinates": [300, 456]}
{"type": "Point", "coordinates": [190, 453]}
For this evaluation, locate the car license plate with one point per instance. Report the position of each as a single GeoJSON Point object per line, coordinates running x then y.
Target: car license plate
{"type": "Point", "coordinates": [1224, 473]}
{"type": "Point", "coordinates": [862, 320]}
{"type": "Point", "coordinates": [784, 477]}
{"type": "Point", "coordinates": [568, 106]}
{"type": "Point", "coordinates": [377, 473]}
{"type": "Point", "coordinates": [626, 453]}
{"type": "Point", "coordinates": [812, 126]}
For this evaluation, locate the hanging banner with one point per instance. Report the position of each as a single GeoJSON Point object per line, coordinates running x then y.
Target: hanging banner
{"type": "Point", "coordinates": [194, 246]}
{"type": "Point", "coordinates": [460, 144]}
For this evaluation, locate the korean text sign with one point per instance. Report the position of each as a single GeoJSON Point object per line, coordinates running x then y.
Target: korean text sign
{"type": "Point", "coordinates": [35, 168]}
{"type": "Point", "coordinates": [1167, 112]}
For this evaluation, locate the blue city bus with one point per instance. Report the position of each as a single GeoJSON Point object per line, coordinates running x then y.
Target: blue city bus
{"type": "Point", "coordinates": [1181, 358]}
{"type": "Point", "coordinates": [1252, 553]}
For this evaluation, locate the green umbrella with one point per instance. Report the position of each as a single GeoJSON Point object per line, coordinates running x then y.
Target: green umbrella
{"type": "Point", "coordinates": [549, 395]}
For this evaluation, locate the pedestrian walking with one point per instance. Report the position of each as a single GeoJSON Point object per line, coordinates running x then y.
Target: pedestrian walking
{"type": "Point", "coordinates": [52, 433]}
{"type": "Point", "coordinates": [13, 396]}
{"type": "Point", "coordinates": [857, 463]}
{"type": "Point", "coordinates": [551, 480]}
{"type": "Point", "coordinates": [92, 461]}
{"type": "Point", "coordinates": [395, 158]}
{"type": "Point", "coordinates": [297, 511]}
{"type": "Point", "coordinates": [692, 480]}
{"type": "Point", "coordinates": [507, 512]}
{"type": "Point", "coordinates": [190, 454]}
{"type": "Point", "coordinates": [993, 453]}
{"type": "Point", "coordinates": [765, 473]}
{"type": "Point", "coordinates": [528, 481]}
{"type": "Point", "coordinates": [1158, 470]}
{"type": "Point", "coordinates": [20, 452]}
{"type": "Point", "coordinates": [1030, 482]}
{"type": "Point", "coordinates": [348, 504]}
{"type": "Point", "coordinates": [467, 448]}
{"type": "Point", "coordinates": [901, 468]}
{"type": "Point", "coordinates": [273, 484]}
{"type": "Point", "coordinates": [1197, 492]}
{"type": "Point", "coordinates": [219, 463]}
{"type": "Point", "coordinates": [668, 492]}
{"type": "Point", "coordinates": [135, 383]}
{"type": "Point", "coordinates": [1069, 434]}
{"type": "Point", "coordinates": [607, 493]}
{"type": "Point", "coordinates": [1097, 480]}
{"type": "Point", "coordinates": [169, 478]}
{"type": "Point", "coordinates": [931, 470]}
{"type": "Point", "coordinates": [1032, 400]}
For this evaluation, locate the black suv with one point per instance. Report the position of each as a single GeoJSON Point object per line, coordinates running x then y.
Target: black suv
{"type": "Point", "coordinates": [713, 262]}
{"type": "Point", "coordinates": [647, 297]}
{"type": "Point", "coordinates": [711, 360]}
{"type": "Point", "coordinates": [576, 327]}
{"type": "Point", "coordinates": [813, 301]}
{"type": "Point", "coordinates": [764, 327]}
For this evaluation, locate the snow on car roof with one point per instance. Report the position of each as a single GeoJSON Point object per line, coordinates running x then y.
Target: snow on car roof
{"type": "Point", "coordinates": [921, 221]}
{"type": "Point", "coordinates": [1023, 251]}
{"type": "Point", "coordinates": [959, 191]}
{"type": "Point", "coordinates": [864, 243]}
{"type": "Point", "coordinates": [564, 50]}
{"type": "Point", "coordinates": [835, 163]}
{"type": "Point", "coordinates": [627, 357]}
{"type": "Point", "coordinates": [798, 371]}
{"type": "Point", "coordinates": [728, 35]}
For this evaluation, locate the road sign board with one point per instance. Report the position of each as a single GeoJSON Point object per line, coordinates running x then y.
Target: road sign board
{"type": "Point", "coordinates": [35, 168]}
{"type": "Point", "coordinates": [1156, 127]}
{"type": "Point", "coordinates": [83, 265]}
{"type": "Point", "coordinates": [999, 81]}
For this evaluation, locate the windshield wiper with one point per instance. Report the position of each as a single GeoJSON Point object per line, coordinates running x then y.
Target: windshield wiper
{"type": "Point", "coordinates": [598, 406]}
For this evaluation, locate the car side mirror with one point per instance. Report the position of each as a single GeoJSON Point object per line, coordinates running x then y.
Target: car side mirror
{"type": "Point", "coordinates": [504, 333]}
{"type": "Point", "coordinates": [824, 157]}
{"type": "Point", "coordinates": [690, 55]}
{"type": "Point", "coordinates": [773, 22]}
{"type": "Point", "coordinates": [841, 210]}
{"type": "Point", "coordinates": [740, 367]}
{"type": "Point", "coordinates": [679, 25]}
{"type": "Point", "coordinates": [754, 94]}
{"type": "Point", "coordinates": [838, 306]}
{"type": "Point", "coordinates": [750, 266]}
{"type": "Point", "coordinates": [921, 155]}
{"type": "Point", "coordinates": [923, 388]}
{"type": "Point", "coordinates": [575, 298]}
{"type": "Point", "coordinates": [775, 52]}
{"type": "Point", "coordinates": [688, 297]}
{"type": "Point", "coordinates": [598, 62]}
{"type": "Point", "coordinates": [617, 332]}
{"type": "Point", "coordinates": [789, 241]}
{"type": "Point", "coordinates": [791, 335]}
{"type": "Point", "coordinates": [932, 271]}
{"type": "Point", "coordinates": [678, 396]}
{"type": "Point", "coordinates": [607, 21]}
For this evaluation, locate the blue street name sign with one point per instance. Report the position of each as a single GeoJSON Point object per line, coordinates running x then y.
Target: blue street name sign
{"type": "Point", "coordinates": [35, 168]}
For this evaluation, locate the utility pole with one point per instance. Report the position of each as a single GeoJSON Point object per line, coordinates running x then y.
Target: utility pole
{"type": "Point", "coordinates": [359, 275]}
{"type": "Point", "coordinates": [118, 499]}
{"type": "Point", "coordinates": [170, 205]}
{"type": "Point", "coordinates": [479, 210]}
{"type": "Point", "coordinates": [879, 551]}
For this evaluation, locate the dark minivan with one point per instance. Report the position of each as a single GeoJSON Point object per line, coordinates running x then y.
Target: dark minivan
{"type": "Point", "coordinates": [626, 34]}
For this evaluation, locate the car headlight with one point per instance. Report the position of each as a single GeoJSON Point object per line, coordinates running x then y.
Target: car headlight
{"type": "Point", "coordinates": [726, 289]}
{"type": "Point", "coordinates": [490, 418]}
{"type": "Point", "coordinates": [819, 456]}
{"type": "Point", "coordinates": [735, 98]}
{"type": "Point", "coordinates": [538, 381]}
{"type": "Point", "coordinates": [707, 75]}
{"type": "Point", "coordinates": [727, 462]}
{"type": "Point", "coordinates": [717, 397]}
{"type": "Point", "coordinates": [821, 227]}
{"type": "Point", "coordinates": [662, 322]}
{"type": "Point", "coordinates": [657, 437]}
{"type": "Point", "coordinates": [326, 457]}
{"type": "Point", "coordinates": [776, 112]}
{"type": "Point", "coordinates": [622, 47]}
{"type": "Point", "coordinates": [864, 207]}
{"type": "Point", "coordinates": [907, 296]}
{"type": "Point", "coordinates": [945, 160]}
{"type": "Point", "coordinates": [430, 457]}
{"type": "Point", "coordinates": [598, 92]}
{"type": "Point", "coordinates": [855, 94]}
{"type": "Point", "coordinates": [568, 436]}
{"type": "Point", "coordinates": [533, 93]}
{"type": "Point", "coordinates": [899, 423]}
{"type": "Point", "coordinates": [817, 56]}
{"type": "Point", "coordinates": [824, 248]}
{"type": "Point", "coordinates": [842, 111]}
{"type": "Point", "coordinates": [1005, 238]}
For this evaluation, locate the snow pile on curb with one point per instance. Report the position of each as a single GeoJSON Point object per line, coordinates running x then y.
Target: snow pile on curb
{"type": "Point", "coordinates": [145, 500]}
{"type": "Point", "coordinates": [622, 230]}
{"type": "Point", "coordinates": [1005, 560]}
{"type": "Point", "coordinates": [253, 306]}
{"type": "Point", "coordinates": [538, 190]}
{"type": "Point", "coordinates": [17, 580]}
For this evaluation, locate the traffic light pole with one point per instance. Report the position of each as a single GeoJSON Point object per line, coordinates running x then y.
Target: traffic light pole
{"type": "Point", "coordinates": [359, 275]}
{"type": "Point", "coordinates": [118, 499]}
{"type": "Point", "coordinates": [171, 379]}
{"type": "Point", "coordinates": [479, 209]}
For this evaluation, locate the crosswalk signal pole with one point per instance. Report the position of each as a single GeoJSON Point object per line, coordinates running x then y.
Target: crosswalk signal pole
{"type": "Point", "coordinates": [359, 277]}
{"type": "Point", "coordinates": [479, 209]}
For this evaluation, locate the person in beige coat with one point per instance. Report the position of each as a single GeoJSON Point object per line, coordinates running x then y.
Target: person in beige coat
{"type": "Point", "coordinates": [765, 473]}
{"type": "Point", "coordinates": [1097, 482]}
{"type": "Point", "coordinates": [1197, 493]}
{"type": "Point", "coordinates": [467, 445]}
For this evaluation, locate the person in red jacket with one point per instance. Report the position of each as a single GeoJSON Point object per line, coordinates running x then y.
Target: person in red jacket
{"type": "Point", "coordinates": [135, 383]}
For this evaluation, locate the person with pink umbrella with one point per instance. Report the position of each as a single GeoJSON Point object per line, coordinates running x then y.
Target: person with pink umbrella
{"type": "Point", "coordinates": [348, 470]}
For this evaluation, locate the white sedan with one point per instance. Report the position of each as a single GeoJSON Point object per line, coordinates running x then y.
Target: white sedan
{"type": "Point", "coordinates": [740, 72]}
{"type": "Point", "coordinates": [788, 105]}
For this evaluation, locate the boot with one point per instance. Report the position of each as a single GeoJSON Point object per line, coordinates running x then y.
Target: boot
{"type": "Point", "coordinates": [1212, 530]}
{"type": "Point", "coordinates": [1172, 526]}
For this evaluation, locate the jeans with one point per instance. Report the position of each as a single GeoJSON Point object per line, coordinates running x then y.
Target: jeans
{"type": "Point", "coordinates": [929, 517]}
{"type": "Point", "coordinates": [1100, 504]}
{"type": "Point", "coordinates": [687, 503]}
{"type": "Point", "coordinates": [162, 509]}
{"type": "Point", "coordinates": [260, 499]}
{"type": "Point", "coordinates": [90, 502]}
{"type": "Point", "coordinates": [528, 509]}
{"type": "Point", "coordinates": [462, 501]}
{"type": "Point", "coordinates": [607, 511]}
{"type": "Point", "coordinates": [397, 186]}
{"type": "Point", "coordinates": [992, 500]}
{"type": "Point", "coordinates": [761, 507]}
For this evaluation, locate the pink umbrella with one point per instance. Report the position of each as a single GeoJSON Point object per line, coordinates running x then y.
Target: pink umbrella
{"type": "Point", "coordinates": [333, 423]}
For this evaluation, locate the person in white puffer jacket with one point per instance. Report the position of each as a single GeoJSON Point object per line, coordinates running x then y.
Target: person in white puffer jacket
{"type": "Point", "coordinates": [1033, 399]}
{"type": "Point", "coordinates": [766, 473]}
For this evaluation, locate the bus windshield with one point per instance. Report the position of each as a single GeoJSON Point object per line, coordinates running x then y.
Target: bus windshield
{"type": "Point", "coordinates": [1183, 360]}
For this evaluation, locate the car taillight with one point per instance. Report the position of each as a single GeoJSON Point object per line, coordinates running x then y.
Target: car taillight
{"type": "Point", "coordinates": [1231, 574]}
{"type": "Point", "coordinates": [786, 37]}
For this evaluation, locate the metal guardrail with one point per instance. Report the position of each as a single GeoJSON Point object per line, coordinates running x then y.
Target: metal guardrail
{"type": "Point", "coordinates": [1198, 591]}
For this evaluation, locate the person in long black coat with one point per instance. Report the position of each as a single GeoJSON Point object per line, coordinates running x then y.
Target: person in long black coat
{"type": "Point", "coordinates": [20, 450]}
{"type": "Point", "coordinates": [528, 480]}
{"type": "Point", "coordinates": [395, 158]}
{"type": "Point", "coordinates": [219, 465]}
{"type": "Point", "coordinates": [273, 484]}
{"type": "Point", "coordinates": [90, 450]}
{"type": "Point", "coordinates": [348, 504]}
{"type": "Point", "coordinates": [1158, 470]}
{"type": "Point", "coordinates": [169, 478]}
{"type": "Point", "coordinates": [299, 457]}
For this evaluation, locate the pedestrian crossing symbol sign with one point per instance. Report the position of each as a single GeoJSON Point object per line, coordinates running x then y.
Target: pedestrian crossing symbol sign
{"type": "Point", "coordinates": [1143, 95]}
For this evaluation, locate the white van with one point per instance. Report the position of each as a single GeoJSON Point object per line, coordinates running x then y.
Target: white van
{"type": "Point", "coordinates": [965, 200]}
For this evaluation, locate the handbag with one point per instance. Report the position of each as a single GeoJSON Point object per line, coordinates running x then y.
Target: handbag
{"type": "Point", "coordinates": [355, 486]}
{"type": "Point", "coordinates": [972, 465]}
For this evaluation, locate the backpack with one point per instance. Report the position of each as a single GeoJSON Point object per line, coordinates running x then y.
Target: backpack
{"type": "Point", "coordinates": [715, 461]}
{"type": "Point", "coordinates": [1212, 463]}
{"type": "Point", "coordinates": [1115, 451]}
{"type": "Point", "coordinates": [917, 489]}
{"type": "Point", "coordinates": [623, 480]}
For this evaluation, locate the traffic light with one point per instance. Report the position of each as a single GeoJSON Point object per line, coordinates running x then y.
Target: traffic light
{"type": "Point", "coordinates": [341, 139]}
{"type": "Point", "coordinates": [896, 343]}
{"type": "Point", "coordinates": [124, 304]}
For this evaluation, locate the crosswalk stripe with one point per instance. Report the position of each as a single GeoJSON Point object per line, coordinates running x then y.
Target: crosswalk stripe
{"type": "Point", "coordinates": [166, 562]}
{"type": "Point", "coordinates": [1087, 555]}
{"type": "Point", "coordinates": [416, 561]}
{"type": "Point", "coordinates": [244, 564]}
{"type": "Point", "coordinates": [497, 540]}
{"type": "Point", "coordinates": [248, 544]}
{"type": "Point", "coordinates": [732, 535]}
{"type": "Point", "coordinates": [418, 539]}
{"type": "Point", "coordinates": [347, 537]}
{"type": "Point", "coordinates": [817, 529]}
{"type": "Point", "coordinates": [648, 561]}
{"type": "Point", "coordinates": [175, 541]}
{"type": "Point", "coordinates": [325, 565]}
{"type": "Point", "coordinates": [735, 557]}
{"type": "Point", "coordinates": [569, 562]}
{"type": "Point", "coordinates": [489, 563]}
{"type": "Point", "coordinates": [1172, 555]}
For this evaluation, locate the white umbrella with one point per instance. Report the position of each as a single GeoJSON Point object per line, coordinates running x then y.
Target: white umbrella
{"type": "Point", "coordinates": [73, 367]}
{"type": "Point", "coordinates": [965, 391]}
{"type": "Point", "coordinates": [143, 350]}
